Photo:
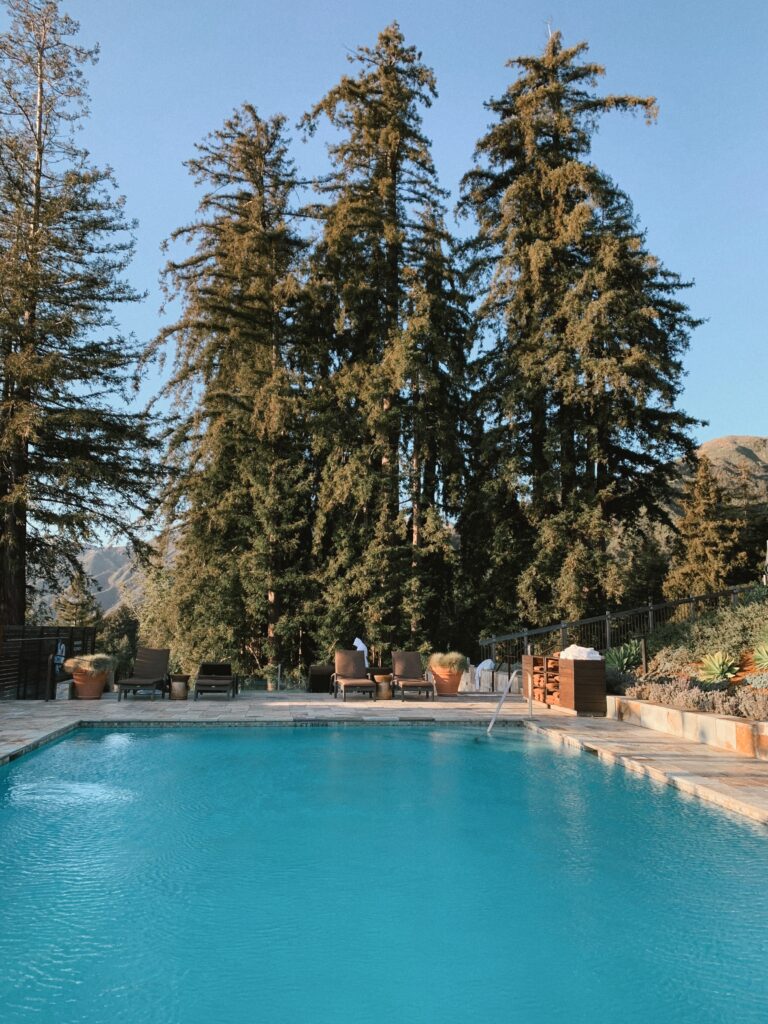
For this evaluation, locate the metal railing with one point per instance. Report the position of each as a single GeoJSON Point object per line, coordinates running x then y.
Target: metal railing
{"type": "Point", "coordinates": [516, 674]}
{"type": "Point", "coordinates": [605, 631]}
{"type": "Point", "coordinates": [31, 655]}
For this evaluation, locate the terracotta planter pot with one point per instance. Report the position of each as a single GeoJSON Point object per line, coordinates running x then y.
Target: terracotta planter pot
{"type": "Point", "coordinates": [446, 681]}
{"type": "Point", "coordinates": [89, 685]}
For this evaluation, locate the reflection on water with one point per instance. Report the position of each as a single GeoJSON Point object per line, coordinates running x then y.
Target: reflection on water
{"type": "Point", "coordinates": [117, 741]}
{"type": "Point", "coordinates": [66, 794]}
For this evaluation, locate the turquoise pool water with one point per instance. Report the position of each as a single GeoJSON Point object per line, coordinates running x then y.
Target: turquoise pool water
{"type": "Point", "coordinates": [368, 875]}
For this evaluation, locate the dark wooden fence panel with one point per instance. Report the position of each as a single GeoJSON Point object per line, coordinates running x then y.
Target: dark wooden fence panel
{"type": "Point", "coordinates": [25, 653]}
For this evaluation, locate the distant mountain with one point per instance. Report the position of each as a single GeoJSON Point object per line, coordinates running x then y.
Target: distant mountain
{"type": "Point", "coordinates": [736, 454]}
{"type": "Point", "coordinates": [114, 572]}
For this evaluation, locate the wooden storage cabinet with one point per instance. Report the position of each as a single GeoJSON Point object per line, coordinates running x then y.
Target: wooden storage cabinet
{"type": "Point", "coordinates": [577, 686]}
{"type": "Point", "coordinates": [544, 672]}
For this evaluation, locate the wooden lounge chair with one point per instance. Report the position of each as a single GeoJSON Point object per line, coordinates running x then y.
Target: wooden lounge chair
{"type": "Point", "coordinates": [408, 675]}
{"type": "Point", "coordinates": [351, 675]}
{"type": "Point", "coordinates": [215, 677]}
{"type": "Point", "coordinates": [150, 672]}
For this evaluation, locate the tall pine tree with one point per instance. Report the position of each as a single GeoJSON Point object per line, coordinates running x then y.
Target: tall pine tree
{"type": "Point", "coordinates": [706, 550]}
{"type": "Point", "coordinates": [77, 604]}
{"type": "Point", "coordinates": [385, 277]}
{"type": "Point", "coordinates": [73, 461]}
{"type": "Point", "coordinates": [238, 504]}
{"type": "Point", "coordinates": [586, 330]}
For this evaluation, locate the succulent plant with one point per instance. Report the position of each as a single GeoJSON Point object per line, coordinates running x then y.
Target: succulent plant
{"type": "Point", "coordinates": [760, 656]}
{"type": "Point", "coordinates": [624, 658]}
{"type": "Point", "coordinates": [718, 667]}
{"type": "Point", "coordinates": [759, 680]}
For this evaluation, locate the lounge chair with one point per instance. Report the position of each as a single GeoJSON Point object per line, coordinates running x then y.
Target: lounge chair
{"type": "Point", "coordinates": [351, 675]}
{"type": "Point", "coordinates": [408, 675]}
{"type": "Point", "coordinates": [150, 672]}
{"type": "Point", "coordinates": [215, 677]}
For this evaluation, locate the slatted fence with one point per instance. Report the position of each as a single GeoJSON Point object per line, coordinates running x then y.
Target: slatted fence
{"type": "Point", "coordinates": [26, 653]}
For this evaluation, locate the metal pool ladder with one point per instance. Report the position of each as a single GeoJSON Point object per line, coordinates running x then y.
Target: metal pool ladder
{"type": "Point", "coordinates": [513, 675]}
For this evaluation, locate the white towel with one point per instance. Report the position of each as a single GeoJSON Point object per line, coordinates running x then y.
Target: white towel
{"type": "Point", "coordinates": [576, 653]}
{"type": "Point", "coordinates": [358, 644]}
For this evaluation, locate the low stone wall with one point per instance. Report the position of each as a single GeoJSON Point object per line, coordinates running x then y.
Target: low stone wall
{"type": "Point", "coordinates": [737, 735]}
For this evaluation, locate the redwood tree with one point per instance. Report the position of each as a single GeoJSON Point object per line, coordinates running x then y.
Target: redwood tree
{"type": "Point", "coordinates": [238, 501]}
{"type": "Point", "coordinates": [393, 313]}
{"type": "Point", "coordinates": [585, 332]}
{"type": "Point", "coordinates": [74, 460]}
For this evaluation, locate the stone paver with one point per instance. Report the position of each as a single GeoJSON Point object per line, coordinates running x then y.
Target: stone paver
{"type": "Point", "coordinates": [735, 783]}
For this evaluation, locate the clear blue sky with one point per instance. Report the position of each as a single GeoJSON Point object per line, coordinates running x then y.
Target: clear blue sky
{"type": "Point", "coordinates": [172, 70]}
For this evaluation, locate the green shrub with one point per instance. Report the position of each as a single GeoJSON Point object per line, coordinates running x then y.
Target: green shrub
{"type": "Point", "coordinates": [734, 628]}
{"type": "Point", "coordinates": [672, 663]}
{"type": "Point", "coordinates": [617, 682]}
{"type": "Point", "coordinates": [674, 634]}
{"type": "Point", "coordinates": [753, 703]}
{"type": "Point", "coordinates": [744, 701]}
{"type": "Point", "coordinates": [718, 667]}
{"type": "Point", "coordinates": [624, 658]}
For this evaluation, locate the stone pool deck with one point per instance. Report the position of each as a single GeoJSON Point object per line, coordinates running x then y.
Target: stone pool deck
{"type": "Point", "coordinates": [735, 783]}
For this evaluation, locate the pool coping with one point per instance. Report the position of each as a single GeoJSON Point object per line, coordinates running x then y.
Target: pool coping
{"type": "Point", "coordinates": [719, 791]}
{"type": "Point", "coordinates": [734, 783]}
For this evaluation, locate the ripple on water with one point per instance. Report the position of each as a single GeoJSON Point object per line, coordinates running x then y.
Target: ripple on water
{"type": "Point", "coordinates": [51, 794]}
{"type": "Point", "coordinates": [367, 876]}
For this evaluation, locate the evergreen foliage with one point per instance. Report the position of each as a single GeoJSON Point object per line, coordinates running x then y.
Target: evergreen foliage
{"type": "Point", "coordinates": [392, 384]}
{"type": "Point", "coordinates": [240, 490]}
{"type": "Point", "coordinates": [77, 605]}
{"type": "Point", "coordinates": [71, 462]}
{"type": "Point", "coordinates": [749, 514]}
{"type": "Point", "coordinates": [338, 464]}
{"type": "Point", "coordinates": [584, 367]}
{"type": "Point", "coordinates": [117, 636]}
{"type": "Point", "coordinates": [706, 551]}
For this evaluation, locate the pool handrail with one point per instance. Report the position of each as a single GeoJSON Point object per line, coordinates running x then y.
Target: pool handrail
{"type": "Point", "coordinates": [516, 673]}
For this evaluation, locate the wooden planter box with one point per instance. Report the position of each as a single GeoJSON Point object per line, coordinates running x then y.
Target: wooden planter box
{"type": "Point", "coordinates": [577, 686]}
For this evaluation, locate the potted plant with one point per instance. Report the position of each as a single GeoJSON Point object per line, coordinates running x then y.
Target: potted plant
{"type": "Point", "coordinates": [447, 670]}
{"type": "Point", "coordinates": [89, 673]}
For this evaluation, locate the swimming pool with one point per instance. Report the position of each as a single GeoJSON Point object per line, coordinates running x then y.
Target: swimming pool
{"type": "Point", "coordinates": [291, 875]}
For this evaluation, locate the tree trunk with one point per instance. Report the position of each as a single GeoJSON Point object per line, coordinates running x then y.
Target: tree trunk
{"type": "Point", "coordinates": [13, 541]}
{"type": "Point", "coordinates": [416, 509]}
